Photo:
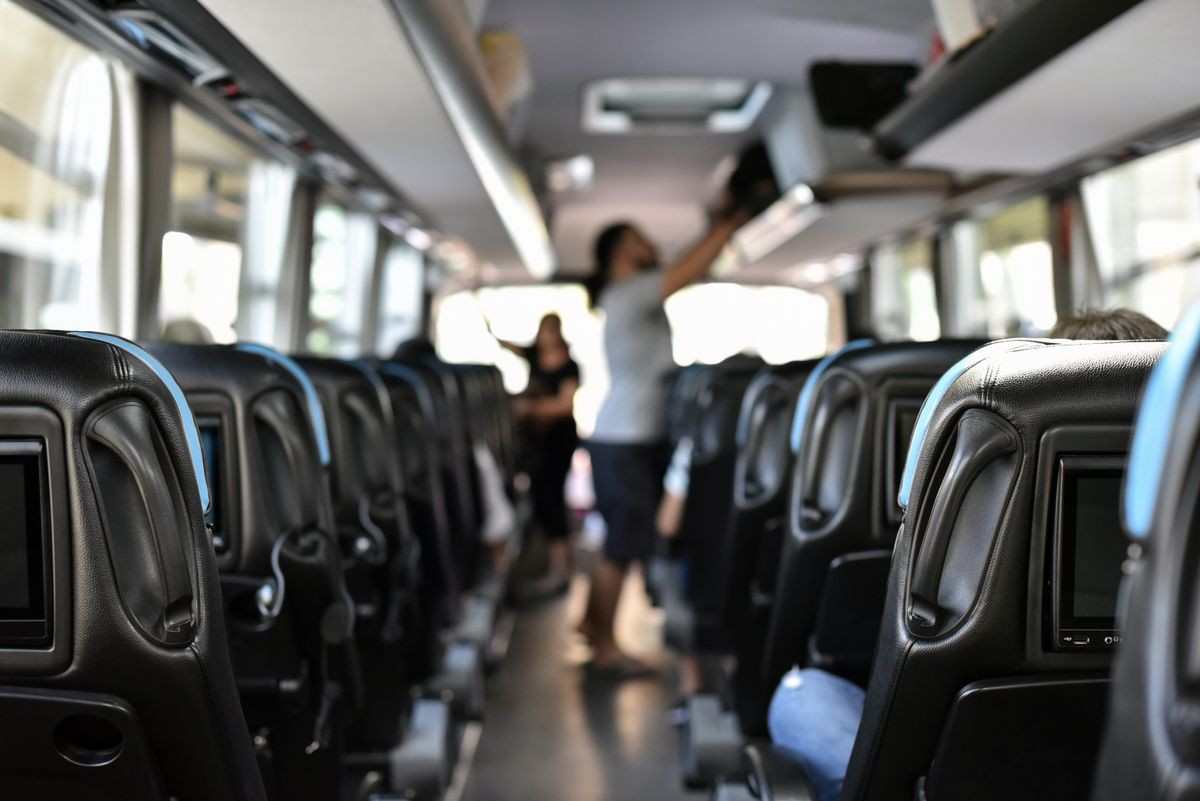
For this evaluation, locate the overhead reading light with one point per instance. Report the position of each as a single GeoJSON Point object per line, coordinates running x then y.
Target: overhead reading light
{"type": "Point", "coordinates": [334, 169]}
{"type": "Point", "coordinates": [575, 173]}
{"type": "Point", "coordinates": [419, 239]}
{"type": "Point", "coordinates": [672, 105]}
{"type": "Point", "coordinates": [270, 120]}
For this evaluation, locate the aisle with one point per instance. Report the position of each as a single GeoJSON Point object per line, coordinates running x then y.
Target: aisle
{"type": "Point", "coordinates": [552, 734]}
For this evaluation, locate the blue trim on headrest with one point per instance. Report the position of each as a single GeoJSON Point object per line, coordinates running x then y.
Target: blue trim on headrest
{"type": "Point", "coordinates": [410, 375]}
{"type": "Point", "coordinates": [925, 416]}
{"type": "Point", "coordinates": [1155, 424]}
{"type": "Point", "coordinates": [755, 389]}
{"type": "Point", "coordinates": [810, 387]}
{"type": "Point", "coordinates": [372, 373]}
{"type": "Point", "coordinates": [315, 412]}
{"type": "Point", "coordinates": [368, 369]}
{"type": "Point", "coordinates": [191, 433]}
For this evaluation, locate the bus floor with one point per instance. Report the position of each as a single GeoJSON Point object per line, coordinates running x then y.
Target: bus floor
{"type": "Point", "coordinates": [554, 733]}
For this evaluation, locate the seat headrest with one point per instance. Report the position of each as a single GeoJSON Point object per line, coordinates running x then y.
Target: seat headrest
{"type": "Point", "coordinates": [925, 416]}
{"type": "Point", "coordinates": [316, 415]}
{"type": "Point", "coordinates": [773, 377]}
{"type": "Point", "coordinates": [1038, 383]}
{"type": "Point", "coordinates": [810, 387]}
{"type": "Point", "coordinates": [1156, 422]}
{"type": "Point", "coordinates": [190, 431]}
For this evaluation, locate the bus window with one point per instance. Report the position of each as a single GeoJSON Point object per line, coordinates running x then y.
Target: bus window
{"type": "Point", "coordinates": [401, 296]}
{"type": "Point", "coordinates": [1014, 266]}
{"type": "Point", "coordinates": [202, 253]}
{"type": "Point", "coordinates": [711, 322]}
{"type": "Point", "coordinates": [343, 260]}
{"type": "Point", "coordinates": [903, 300]}
{"type": "Point", "coordinates": [1144, 218]}
{"type": "Point", "coordinates": [59, 106]}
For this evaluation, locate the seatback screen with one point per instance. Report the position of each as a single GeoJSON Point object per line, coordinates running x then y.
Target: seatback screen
{"type": "Point", "coordinates": [23, 615]}
{"type": "Point", "coordinates": [1091, 549]}
{"type": "Point", "coordinates": [210, 443]}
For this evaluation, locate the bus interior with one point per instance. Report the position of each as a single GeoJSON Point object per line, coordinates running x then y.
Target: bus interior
{"type": "Point", "coordinates": [889, 492]}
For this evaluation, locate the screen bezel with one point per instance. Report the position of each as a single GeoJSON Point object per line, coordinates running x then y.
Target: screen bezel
{"type": "Point", "coordinates": [1062, 574]}
{"type": "Point", "coordinates": [218, 497]}
{"type": "Point", "coordinates": [895, 455]}
{"type": "Point", "coordinates": [30, 625]}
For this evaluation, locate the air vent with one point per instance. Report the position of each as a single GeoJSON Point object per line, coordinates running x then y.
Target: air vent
{"type": "Point", "coordinates": [270, 121]}
{"type": "Point", "coordinates": [334, 169]}
{"type": "Point", "coordinates": [672, 105]}
{"type": "Point", "coordinates": [152, 33]}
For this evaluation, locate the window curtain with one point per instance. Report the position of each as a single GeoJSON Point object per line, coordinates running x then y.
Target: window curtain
{"type": "Point", "coordinates": [72, 274]}
{"type": "Point", "coordinates": [268, 307]}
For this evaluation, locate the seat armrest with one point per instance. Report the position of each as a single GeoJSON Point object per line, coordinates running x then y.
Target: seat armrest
{"type": "Point", "coordinates": [775, 774]}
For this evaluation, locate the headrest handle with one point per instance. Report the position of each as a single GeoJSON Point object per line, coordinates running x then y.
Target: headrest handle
{"type": "Point", "coordinates": [929, 406]}
{"type": "Point", "coordinates": [810, 387]}
{"type": "Point", "coordinates": [191, 433]}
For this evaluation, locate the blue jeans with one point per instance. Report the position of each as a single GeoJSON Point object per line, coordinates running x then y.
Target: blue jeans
{"type": "Point", "coordinates": [815, 715]}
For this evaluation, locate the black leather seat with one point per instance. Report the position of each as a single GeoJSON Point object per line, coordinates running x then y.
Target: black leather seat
{"type": "Point", "coordinates": [712, 427]}
{"type": "Point", "coordinates": [852, 425]}
{"type": "Point", "coordinates": [980, 687]}
{"type": "Point", "coordinates": [114, 664]}
{"type": "Point", "coordinates": [417, 444]}
{"type": "Point", "coordinates": [291, 616]}
{"type": "Point", "coordinates": [449, 413]}
{"type": "Point", "coordinates": [1151, 748]}
{"type": "Point", "coordinates": [397, 646]}
{"type": "Point", "coordinates": [754, 528]}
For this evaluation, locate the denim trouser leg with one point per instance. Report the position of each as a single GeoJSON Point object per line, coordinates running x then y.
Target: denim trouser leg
{"type": "Point", "coordinates": [816, 715]}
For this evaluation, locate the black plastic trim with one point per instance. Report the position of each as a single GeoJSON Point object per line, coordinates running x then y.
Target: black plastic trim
{"type": "Point", "coordinates": [1074, 440]}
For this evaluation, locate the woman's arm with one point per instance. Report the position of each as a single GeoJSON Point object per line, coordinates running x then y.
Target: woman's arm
{"type": "Point", "coordinates": [558, 407]}
{"type": "Point", "coordinates": [511, 347]}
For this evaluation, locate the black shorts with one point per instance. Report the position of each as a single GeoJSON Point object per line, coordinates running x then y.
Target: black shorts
{"type": "Point", "coordinates": [628, 481]}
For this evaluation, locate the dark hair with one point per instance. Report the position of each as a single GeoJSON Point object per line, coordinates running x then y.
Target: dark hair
{"type": "Point", "coordinates": [603, 252]}
{"type": "Point", "coordinates": [1108, 324]}
{"type": "Point", "coordinates": [414, 349]}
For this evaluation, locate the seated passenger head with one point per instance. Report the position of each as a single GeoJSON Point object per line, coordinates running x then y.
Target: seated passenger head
{"type": "Point", "coordinates": [187, 332]}
{"type": "Point", "coordinates": [414, 348]}
{"type": "Point", "coordinates": [1108, 324]}
{"type": "Point", "coordinates": [620, 250]}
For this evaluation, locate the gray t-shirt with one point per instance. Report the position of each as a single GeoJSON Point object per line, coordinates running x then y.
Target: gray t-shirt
{"type": "Point", "coordinates": [637, 344]}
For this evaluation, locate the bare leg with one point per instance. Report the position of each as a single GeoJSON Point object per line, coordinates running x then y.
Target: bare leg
{"type": "Point", "coordinates": [691, 676]}
{"type": "Point", "coordinates": [499, 552]}
{"type": "Point", "coordinates": [559, 555]}
{"type": "Point", "coordinates": [607, 581]}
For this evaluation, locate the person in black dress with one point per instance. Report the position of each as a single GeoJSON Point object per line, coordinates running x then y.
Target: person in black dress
{"type": "Point", "coordinates": [546, 414]}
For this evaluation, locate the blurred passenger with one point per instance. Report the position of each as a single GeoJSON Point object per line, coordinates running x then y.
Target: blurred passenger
{"type": "Point", "coordinates": [1108, 324]}
{"type": "Point", "coordinates": [628, 448]}
{"type": "Point", "coordinates": [546, 413]}
{"type": "Point", "coordinates": [669, 524]}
